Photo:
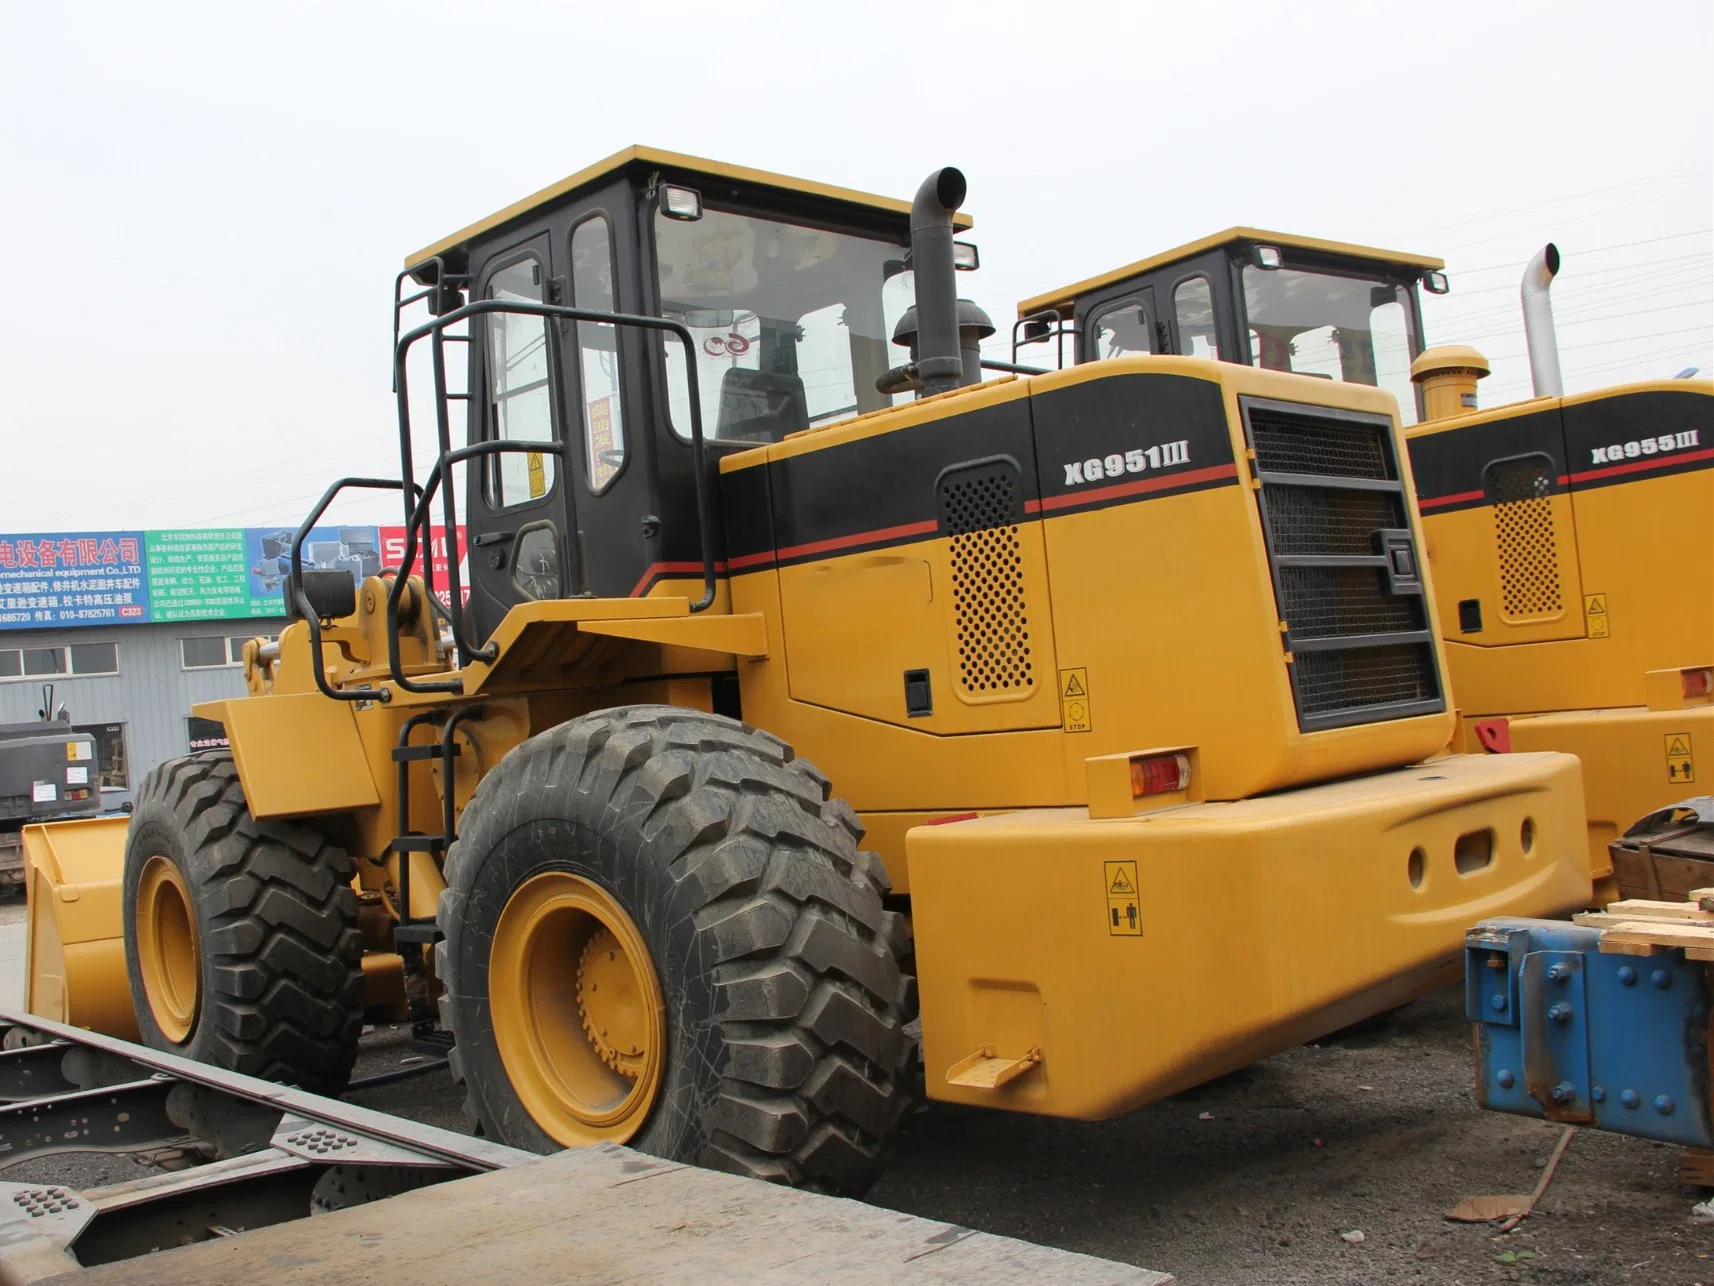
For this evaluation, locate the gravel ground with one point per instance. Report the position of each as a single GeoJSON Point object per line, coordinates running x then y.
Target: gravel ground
{"type": "Point", "coordinates": [1377, 1133]}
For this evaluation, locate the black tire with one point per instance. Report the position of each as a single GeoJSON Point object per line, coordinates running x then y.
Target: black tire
{"type": "Point", "coordinates": [281, 994]}
{"type": "Point", "coordinates": [778, 966]}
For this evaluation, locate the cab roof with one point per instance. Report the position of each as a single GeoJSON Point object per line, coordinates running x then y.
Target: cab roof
{"type": "Point", "coordinates": [677, 161]}
{"type": "Point", "coordinates": [1063, 298]}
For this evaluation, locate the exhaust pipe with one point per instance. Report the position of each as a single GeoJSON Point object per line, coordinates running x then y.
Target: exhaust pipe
{"type": "Point", "coordinates": [1538, 322]}
{"type": "Point", "coordinates": [939, 362]}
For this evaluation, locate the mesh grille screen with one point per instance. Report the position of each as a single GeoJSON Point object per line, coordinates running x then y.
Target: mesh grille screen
{"type": "Point", "coordinates": [1330, 681]}
{"type": "Point", "coordinates": [980, 507]}
{"type": "Point", "coordinates": [1337, 449]}
{"type": "Point", "coordinates": [1310, 520]}
{"type": "Point", "coordinates": [1342, 552]}
{"type": "Point", "coordinates": [1525, 538]}
{"type": "Point", "coordinates": [1329, 602]}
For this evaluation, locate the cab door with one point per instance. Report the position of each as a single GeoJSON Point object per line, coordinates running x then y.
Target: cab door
{"type": "Point", "coordinates": [519, 504]}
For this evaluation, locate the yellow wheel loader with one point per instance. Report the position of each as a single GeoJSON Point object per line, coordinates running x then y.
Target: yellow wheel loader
{"type": "Point", "coordinates": [1569, 537]}
{"type": "Point", "coordinates": [822, 722]}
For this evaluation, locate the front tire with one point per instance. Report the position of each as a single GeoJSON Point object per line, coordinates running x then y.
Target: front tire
{"type": "Point", "coordinates": [241, 936]}
{"type": "Point", "coordinates": [660, 930]}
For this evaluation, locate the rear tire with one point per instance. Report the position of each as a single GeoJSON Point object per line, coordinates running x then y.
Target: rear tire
{"type": "Point", "coordinates": [782, 997]}
{"type": "Point", "coordinates": [241, 936]}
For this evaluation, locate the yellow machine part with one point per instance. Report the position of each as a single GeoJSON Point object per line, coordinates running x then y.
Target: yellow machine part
{"type": "Point", "coordinates": [1046, 939]}
{"type": "Point", "coordinates": [76, 955]}
{"type": "Point", "coordinates": [1635, 761]}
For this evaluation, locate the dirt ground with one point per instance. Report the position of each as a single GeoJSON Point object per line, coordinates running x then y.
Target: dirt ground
{"type": "Point", "coordinates": [1377, 1133]}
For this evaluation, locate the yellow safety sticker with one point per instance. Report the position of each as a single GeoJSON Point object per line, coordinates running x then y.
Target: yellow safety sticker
{"type": "Point", "coordinates": [1680, 759]}
{"type": "Point", "coordinates": [537, 474]}
{"type": "Point", "coordinates": [1596, 623]}
{"type": "Point", "coordinates": [1074, 700]}
{"type": "Point", "coordinates": [1124, 912]}
{"type": "Point", "coordinates": [75, 750]}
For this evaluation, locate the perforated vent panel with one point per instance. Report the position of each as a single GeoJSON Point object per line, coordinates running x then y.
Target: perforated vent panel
{"type": "Point", "coordinates": [1524, 537]}
{"type": "Point", "coordinates": [980, 508]}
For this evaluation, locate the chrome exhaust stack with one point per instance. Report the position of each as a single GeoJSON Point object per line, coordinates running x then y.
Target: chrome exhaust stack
{"type": "Point", "coordinates": [1538, 322]}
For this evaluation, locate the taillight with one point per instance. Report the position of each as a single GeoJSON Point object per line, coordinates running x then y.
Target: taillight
{"type": "Point", "coordinates": [1159, 774]}
{"type": "Point", "coordinates": [76, 793]}
{"type": "Point", "coordinates": [1698, 682]}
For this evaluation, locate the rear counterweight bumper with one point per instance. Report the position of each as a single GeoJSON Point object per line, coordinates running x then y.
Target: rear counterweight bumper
{"type": "Point", "coordinates": [1089, 966]}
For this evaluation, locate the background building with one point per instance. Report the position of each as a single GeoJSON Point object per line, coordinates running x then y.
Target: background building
{"type": "Point", "coordinates": [131, 629]}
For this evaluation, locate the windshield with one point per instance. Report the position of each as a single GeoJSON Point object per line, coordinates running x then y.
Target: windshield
{"type": "Point", "coordinates": [792, 324]}
{"type": "Point", "coordinates": [1355, 329]}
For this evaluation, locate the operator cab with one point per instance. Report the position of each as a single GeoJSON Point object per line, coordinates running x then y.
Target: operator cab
{"type": "Point", "coordinates": [1265, 299]}
{"type": "Point", "coordinates": [790, 292]}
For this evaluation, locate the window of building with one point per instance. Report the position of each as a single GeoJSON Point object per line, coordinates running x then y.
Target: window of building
{"type": "Point", "coordinates": [520, 396]}
{"type": "Point", "coordinates": [113, 763]}
{"type": "Point", "coordinates": [203, 653]}
{"type": "Point", "coordinates": [49, 662]}
{"type": "Point", "coordinates": [598, 350]}
{"type": "Point", "coordinates": [1193, 309]}
{"type": "Point", "coordinates": [211, 652]}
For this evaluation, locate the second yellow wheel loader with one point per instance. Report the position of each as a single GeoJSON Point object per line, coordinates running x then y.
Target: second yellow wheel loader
{"type": "Point", "coordinates": [823, 721]}
{"type": "Point", "coordinates": [1568, 537]}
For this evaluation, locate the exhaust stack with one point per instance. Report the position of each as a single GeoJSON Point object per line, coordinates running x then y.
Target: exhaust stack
{"type": "Point", "coordinates": [939, 361]}
{"type": "Point", "coordinates": [1538, 322]}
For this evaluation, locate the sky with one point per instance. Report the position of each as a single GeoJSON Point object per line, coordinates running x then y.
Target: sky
{"type": "Point", "coordinates": [205, 205]}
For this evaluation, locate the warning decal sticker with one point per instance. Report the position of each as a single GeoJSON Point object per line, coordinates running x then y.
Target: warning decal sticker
{"type": "Point", "coordinates": [1680, 762]}
{"type": "Point", "coordinates": [1074, 700]}
{"type": "Point", "coordinates": [1124, 912]}
{"type": "Point", "coordinates": [1596, 623]}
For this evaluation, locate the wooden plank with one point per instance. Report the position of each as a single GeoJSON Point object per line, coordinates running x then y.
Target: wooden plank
{"type": "Point", "coordinates": [612, 1215]}
{"type": "Point", "coordinates": [1697, 1168]}
{"type": "Point", "coordinates": [1653, 934]}
{"type": "Point", "coordinates": [1644, 909]}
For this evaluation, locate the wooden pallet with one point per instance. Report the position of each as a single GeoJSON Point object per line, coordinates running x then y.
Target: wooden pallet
{"type": "Point", "coordinates": [1640, 926]}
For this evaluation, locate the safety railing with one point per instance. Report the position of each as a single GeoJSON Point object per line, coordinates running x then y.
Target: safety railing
{"type": "Point", "coordinates": [419, 500]}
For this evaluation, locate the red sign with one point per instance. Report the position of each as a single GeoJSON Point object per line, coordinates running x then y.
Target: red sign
{"type": "Point", "coordinates": [393, 554]}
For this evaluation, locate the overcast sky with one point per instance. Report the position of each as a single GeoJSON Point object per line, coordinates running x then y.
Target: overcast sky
{"type": "Point", "coordinates": [203, 206]}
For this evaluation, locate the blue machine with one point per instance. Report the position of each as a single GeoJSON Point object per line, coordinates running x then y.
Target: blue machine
{"type": "Point", "coordinates": [1566, 1032]}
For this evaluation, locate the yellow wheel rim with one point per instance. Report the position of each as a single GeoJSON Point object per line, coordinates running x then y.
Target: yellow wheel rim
{"type": "Point", "coordinates": [167, 949]}
{"type": "Point", "coordinates": [577, 1010]}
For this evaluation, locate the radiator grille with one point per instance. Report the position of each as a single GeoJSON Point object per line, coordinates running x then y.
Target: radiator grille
{"type": "Point", "coordinates": [1346, 568]}
{"type": "Point", "coordinates": [980, 508]}
{"type": "Point", "coordinates": [1290, 442]}
{"type": "Point", "coordinates": [1331, 602]}
{"type": "Point", "coordinates": [1337, 681]}
{"type": "Point", "coordinates": [1308, 520]}
{"type": "Point", "coordinates": [1525, 538]}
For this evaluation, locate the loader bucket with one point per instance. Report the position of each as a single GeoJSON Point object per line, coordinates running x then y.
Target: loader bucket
{"type": "Point", "coordinates": [76, 951]}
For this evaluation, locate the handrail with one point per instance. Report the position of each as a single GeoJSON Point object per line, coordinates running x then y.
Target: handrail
{"type": "Point", "coordinates": [419, 514]}
{"type": "Point", "coordinates": [418, 500]}
{"type": "Point", "coordinates": [306, 609]}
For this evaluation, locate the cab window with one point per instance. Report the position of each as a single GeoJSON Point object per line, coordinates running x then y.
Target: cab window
{"type": "Point", "coordinates": [792, 324]}
{"type": "Point", "coordinates": [1193, 310]}
{"type": "Point", "coordinates": [1333, 326]}
{"type": "Point", "coordinates": [1123, 329]}
{"type": "Point", "coordinates": [520, 401]}
{"type": "Point", "coordinates": [598, 351]}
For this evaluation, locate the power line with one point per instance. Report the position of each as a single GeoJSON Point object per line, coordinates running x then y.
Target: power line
{"type": "Point", "coordinates": [1671, 176]}
{"type": "Point", "coordinates": [1597, 250]}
